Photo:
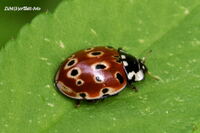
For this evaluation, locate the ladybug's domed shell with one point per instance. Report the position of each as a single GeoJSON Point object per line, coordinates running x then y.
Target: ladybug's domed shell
{"type": "Point", "coordinates": [91, 74]}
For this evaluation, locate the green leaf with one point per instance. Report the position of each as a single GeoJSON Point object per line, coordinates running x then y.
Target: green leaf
{"type": "Point", "coordinates": [171, 29]}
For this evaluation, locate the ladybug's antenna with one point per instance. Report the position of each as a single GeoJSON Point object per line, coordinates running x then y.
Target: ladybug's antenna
{"type": "Point", "coordinates": [149, 73]}
{"type": "Point", "coordinates": [154, 76]}
{"type": "Point", "coordinates": [145, 57]}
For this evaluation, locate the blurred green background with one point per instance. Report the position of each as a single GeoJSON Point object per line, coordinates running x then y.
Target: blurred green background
{"type": "Point", "coordinates": [29, 102]}
{"type": "Point", "coordinates": [12, 21]}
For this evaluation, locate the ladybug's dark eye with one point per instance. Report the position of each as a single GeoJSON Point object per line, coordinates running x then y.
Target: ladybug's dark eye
{"type": "Point", "coordinates": [120, 78]}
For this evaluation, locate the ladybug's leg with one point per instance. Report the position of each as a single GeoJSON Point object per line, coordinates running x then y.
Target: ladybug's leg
{"type": "Point", "coordinates": [135, 88]}
{"type": "Point", "coordinates": [78, 103]}
{"type": "Point", "coordinates": [93, 101]}
{"type": "Point", "coordinates": [153, 76]}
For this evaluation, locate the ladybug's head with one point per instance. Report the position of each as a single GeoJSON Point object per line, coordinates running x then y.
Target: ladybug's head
{"type": "Point", "coordinates": [135, 68]}
{"type": "Point", "coordinates": [142, 62]}
{"type": "Point", "coordinates": [142, 65]}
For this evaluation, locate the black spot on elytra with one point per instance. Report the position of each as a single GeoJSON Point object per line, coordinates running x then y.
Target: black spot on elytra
{"type": "Point", "coordinates": [83, 95]}
{"type": "Point", "coordinates": [100, 66]}
{"type": "Point", "coordinates": [96, 53]}
{"type": "Point", "coordinates": [71, 63]}
{"type": "Point", "coordinates": [105, 90]}
{"type": "Point", "coordinates": [79, 82]}
{"type": "Point", "coordinates": [120, 78]}
{"type": "Point", "coordinates": [74, 72]}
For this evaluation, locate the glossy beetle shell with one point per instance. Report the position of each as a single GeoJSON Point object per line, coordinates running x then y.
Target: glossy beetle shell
{"type": "Point", "coordinates": [91, 74]}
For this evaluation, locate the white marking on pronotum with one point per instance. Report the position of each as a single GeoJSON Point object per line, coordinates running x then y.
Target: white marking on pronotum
{"type": "Point", "coordinates": [61, 44]}
{"type": "Point", "coordinates": [125, 63]}
{"type": "Point", "coordinates": [143, 67]}
{"type": "Point", "coordinates": [131, 74]}
{"type": "Point", "coordinates": [139, 75]}
{"type": "Point", "coordinates": [123, 56]}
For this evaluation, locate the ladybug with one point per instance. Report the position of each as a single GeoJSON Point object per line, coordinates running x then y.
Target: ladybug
{"type": "Point", "coordinates": [98, 72]}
